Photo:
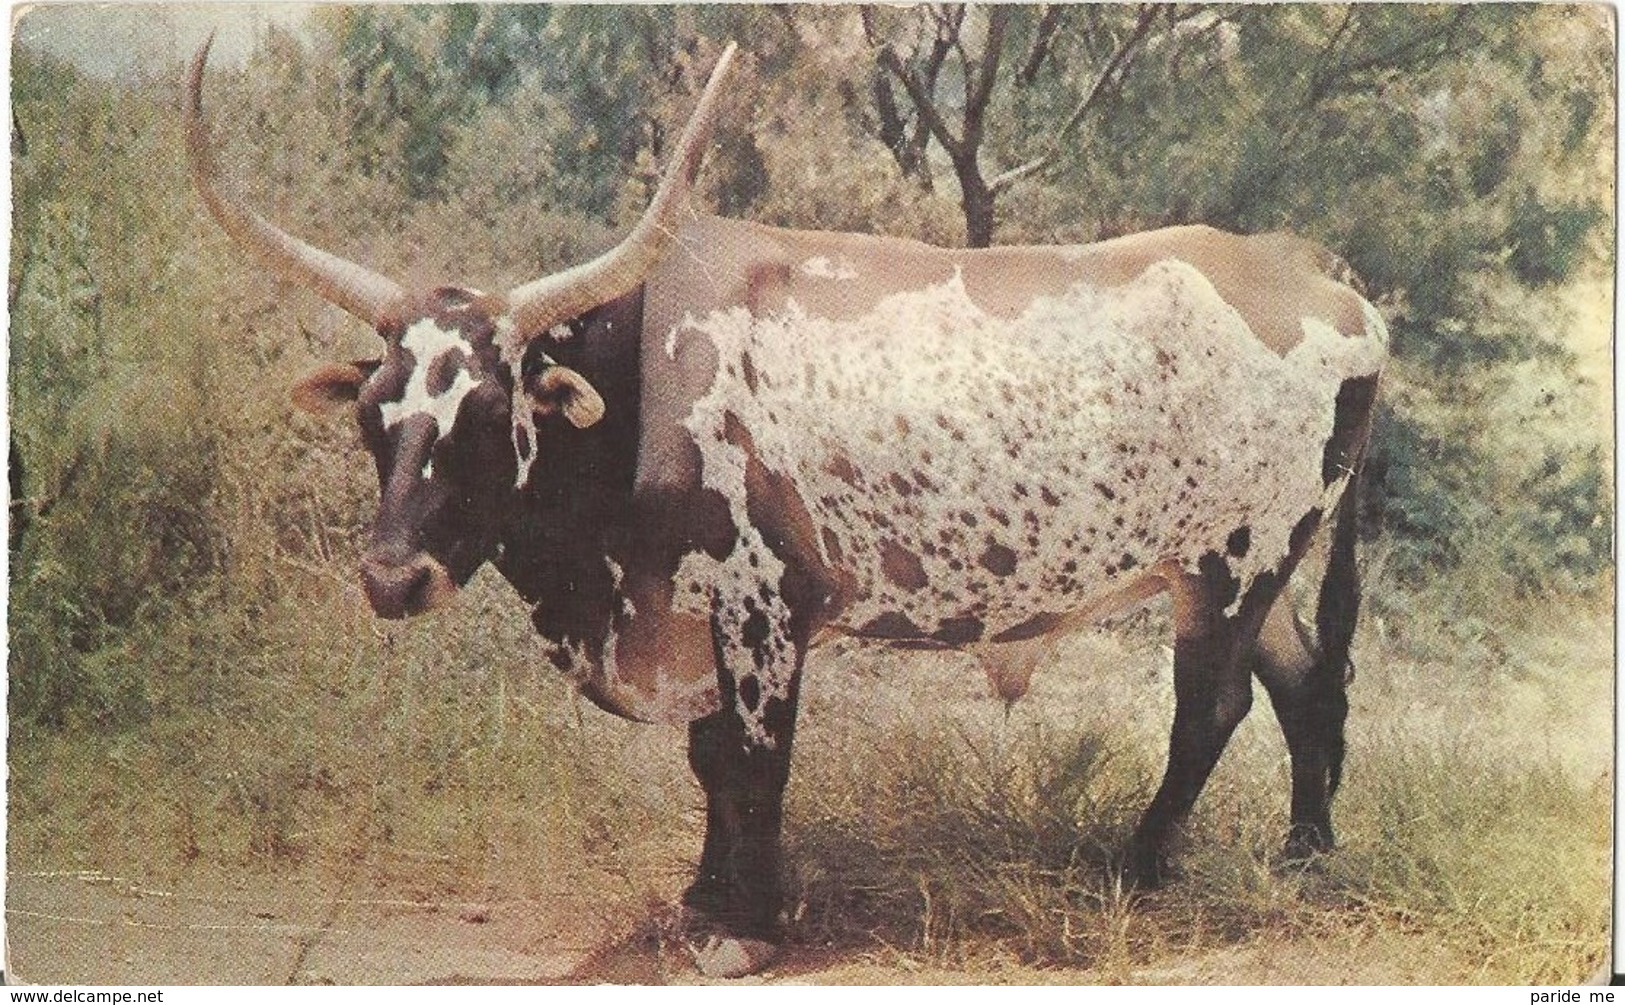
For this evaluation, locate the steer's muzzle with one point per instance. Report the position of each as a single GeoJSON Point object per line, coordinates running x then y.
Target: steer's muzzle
{"type": "Point", "coordinates": [397, 589]}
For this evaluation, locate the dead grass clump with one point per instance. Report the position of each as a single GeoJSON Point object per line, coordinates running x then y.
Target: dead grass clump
{"type": "Point", "coordinates": [938, 836]}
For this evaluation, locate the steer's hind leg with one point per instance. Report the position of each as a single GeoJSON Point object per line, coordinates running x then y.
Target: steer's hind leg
{"type": "Point", "coordinates": [1212, 693]}
{"type": "Point", "coordinates": [1308, 695]}
{"type": "Point", "coordinates": [1308, 680]}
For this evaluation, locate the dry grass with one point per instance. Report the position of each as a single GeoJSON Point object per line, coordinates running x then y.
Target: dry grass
{"type": "Point", "coordinates": [932, 830]}
{"type": "Point", "coordinates": [959, 835]}
{"type": "Point", "coordinates": [435, 756]}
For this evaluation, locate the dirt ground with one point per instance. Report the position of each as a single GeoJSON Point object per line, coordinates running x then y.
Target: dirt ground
{"type": "Point", "coordinates": [89, 928]}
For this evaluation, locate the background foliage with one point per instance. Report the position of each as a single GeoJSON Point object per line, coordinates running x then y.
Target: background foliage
{"type": "Point", "coordinates": [178, 525]}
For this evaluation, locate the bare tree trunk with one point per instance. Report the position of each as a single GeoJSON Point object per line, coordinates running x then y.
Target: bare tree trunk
{"type": "Point", "coordinates": [978, 202]}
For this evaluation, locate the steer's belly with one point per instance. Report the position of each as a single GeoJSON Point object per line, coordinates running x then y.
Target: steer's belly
{"type": "Point", "coordinates": [1014, 621]}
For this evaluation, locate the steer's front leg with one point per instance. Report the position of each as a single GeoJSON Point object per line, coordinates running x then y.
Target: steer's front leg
{"type": "Point", "coordinates": [741, 756]}
{"type": "Point", "coordinates": [738, 883]}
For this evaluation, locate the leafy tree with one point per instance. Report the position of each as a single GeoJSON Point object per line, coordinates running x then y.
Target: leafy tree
{"type": "Point", "coordinates": [951, 61]}
{"type": "Point", "coordinates": [595, 88]}
{"type": "Point", "coordinates": [417, 71]}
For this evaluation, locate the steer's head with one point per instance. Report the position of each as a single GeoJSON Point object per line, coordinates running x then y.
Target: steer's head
{"type": "Point", "coordinates": [437, 412]}
{"type": "Point", "coordinates": [455, 408]}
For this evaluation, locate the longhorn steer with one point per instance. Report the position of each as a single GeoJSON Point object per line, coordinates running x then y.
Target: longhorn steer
{"type": "Point", "coordinates": [696, 453]}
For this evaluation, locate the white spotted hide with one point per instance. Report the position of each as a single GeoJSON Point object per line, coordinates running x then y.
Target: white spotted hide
{"type": "Point", "coordinates": [1028, 465]}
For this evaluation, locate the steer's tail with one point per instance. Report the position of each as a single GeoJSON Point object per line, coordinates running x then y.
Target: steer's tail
{"type": "Point", "coordinates": [1338, 610]}
{"type": "Point", "coordinates": [1335, 617]}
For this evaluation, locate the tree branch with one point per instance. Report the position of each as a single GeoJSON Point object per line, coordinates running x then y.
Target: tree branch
{"type": "Point", "coordinates": [1004, 179]}
{"type": "Point", "coordinates": [1043, 35]}
{"type": "Point", "coordinates": [1119, 61]}
{"type": "Point", "coordinates": [892, 130]}
{"type": "Point", "coordinates": [1321, 77]}
{"type": "Point", "coordinates": [866, 17]}
{"type": "Point", "coordinates": [1414, 47]}
{"type": "Point", "coordinates": [905, 136]}
{"type": "Point", "coordinates": [1113, 69]}
{"type": "Point", "coordinates": [923, 101]}
{"type": "Point", "coordinates": [980, 89]}
{"type": "Point", "coordinates": [920, 138]}
{"type": "Point", "coordinates": [1411, 45]}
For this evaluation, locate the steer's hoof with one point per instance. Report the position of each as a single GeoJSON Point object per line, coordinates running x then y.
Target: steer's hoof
{"type": "Point", "coordinates": [1144, 872]}
{"type": "Point", "coordinates": [1306, 843]}
{"type": "Point", "coordinates": [724, 957]}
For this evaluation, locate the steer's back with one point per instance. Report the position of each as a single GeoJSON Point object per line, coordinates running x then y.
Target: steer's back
{"type": "Point", "coordinates": [1273, 280]}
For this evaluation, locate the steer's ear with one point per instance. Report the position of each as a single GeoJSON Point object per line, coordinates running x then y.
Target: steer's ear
{"type": "Point", "coordinates": [561, 389]}
{"type": "Point", "coordinates": [332, 386]}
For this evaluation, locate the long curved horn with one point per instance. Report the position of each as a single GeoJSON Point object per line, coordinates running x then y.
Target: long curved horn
{"type": "Point", "coordinates": [543, 303]}
{"type": "Point", "coordinates": [358, 290]}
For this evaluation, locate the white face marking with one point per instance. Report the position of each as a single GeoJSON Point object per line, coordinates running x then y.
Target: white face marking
{"type": "Point", "coordinates": [617, 576]}
{"type": "Point", "coordinates": [428, 342]}
{"type": "Point", "coordinates": [512, 350]}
